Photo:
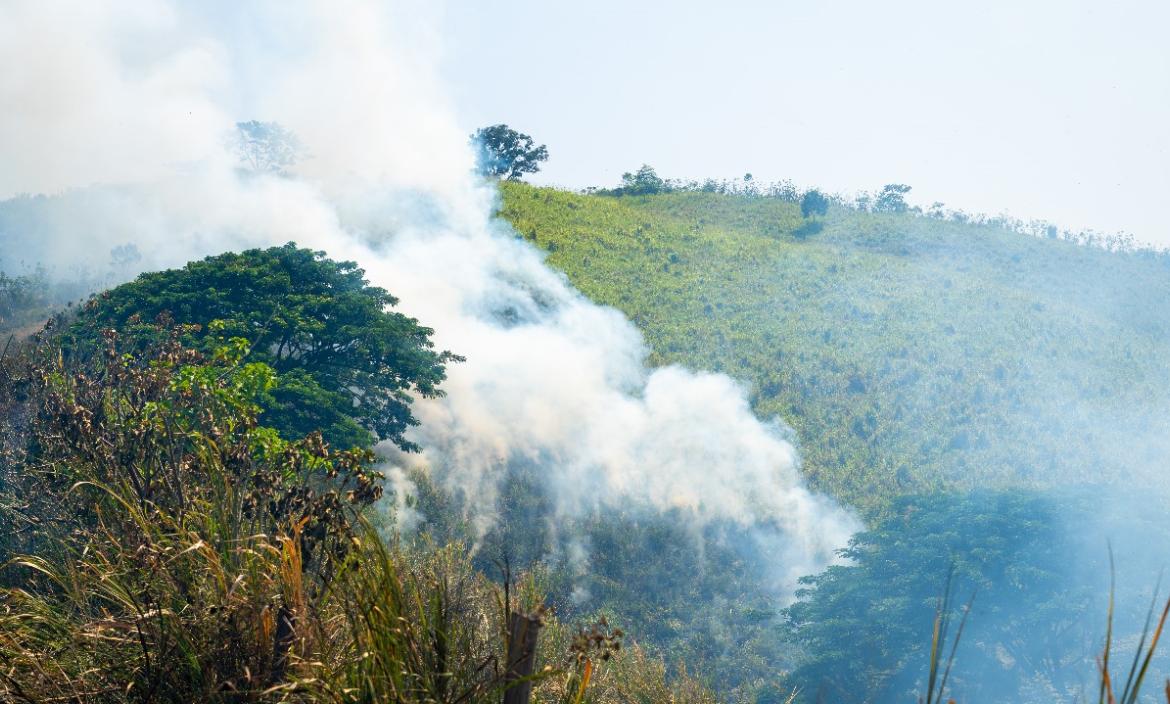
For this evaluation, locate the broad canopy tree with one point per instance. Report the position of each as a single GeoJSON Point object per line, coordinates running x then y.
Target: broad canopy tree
{"type": "Point", "coordinates": [502, 152]}
{"type": "Point", "coordinates": [346, 365]}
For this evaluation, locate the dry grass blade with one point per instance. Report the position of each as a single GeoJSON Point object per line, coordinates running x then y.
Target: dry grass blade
{"type": "Point", "coordinates": [1143, 654]}
{"type": "Point", "coordinates": [936, 685]}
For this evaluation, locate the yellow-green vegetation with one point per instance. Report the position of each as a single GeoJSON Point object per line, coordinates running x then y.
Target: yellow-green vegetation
{"type": "Point", "coordinates": [909, 353]}
{"type": "Point", "coordinates": [159, 544]}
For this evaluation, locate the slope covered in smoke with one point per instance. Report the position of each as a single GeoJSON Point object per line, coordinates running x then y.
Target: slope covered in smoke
{"type": "Point", "coordinates": [909, 353]}
{"type": "Point", "coordinates": [552, 380]}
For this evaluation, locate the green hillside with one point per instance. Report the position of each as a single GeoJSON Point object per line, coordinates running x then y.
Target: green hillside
{"type": "Point", "coordinates": [909, 353]}
{"type": "Point", "coordinates": [913, 356]}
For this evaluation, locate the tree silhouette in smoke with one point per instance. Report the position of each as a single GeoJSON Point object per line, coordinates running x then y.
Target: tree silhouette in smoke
{"type": "Point", "coordinates": [266, 147]}
{"type": "Point", "coordinates": [504, 153]}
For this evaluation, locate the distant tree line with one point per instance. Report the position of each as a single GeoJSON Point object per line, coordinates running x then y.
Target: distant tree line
{"type": "Point", "coordinates": [890, 199]}
{"type": "Point", "coordinates": [504, 153]}
{"type": "Point", "coordinates": [646, 181]}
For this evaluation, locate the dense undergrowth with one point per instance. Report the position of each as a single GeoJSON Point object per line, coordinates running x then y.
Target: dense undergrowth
{"type": "Point", "coordinates": [158, 544]}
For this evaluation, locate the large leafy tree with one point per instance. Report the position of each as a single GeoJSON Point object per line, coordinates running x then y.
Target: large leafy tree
{"type": "Point", "coordinates": [346, 364]}
{"type": "Point", "coordinates": [866, 625]}
{"type": "Point", "coordinates": [504, 153]}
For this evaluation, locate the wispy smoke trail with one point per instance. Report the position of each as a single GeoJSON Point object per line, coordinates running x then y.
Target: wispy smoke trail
{"type": "Point", "coordinates": [123, 112]}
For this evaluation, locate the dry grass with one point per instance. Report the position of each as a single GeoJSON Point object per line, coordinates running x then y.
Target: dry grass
{"type": "Point", "coordinates": [1143, 655]}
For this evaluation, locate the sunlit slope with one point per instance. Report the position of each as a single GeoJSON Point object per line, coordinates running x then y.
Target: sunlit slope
{"type": "Point", "coordinates": [908, 353]}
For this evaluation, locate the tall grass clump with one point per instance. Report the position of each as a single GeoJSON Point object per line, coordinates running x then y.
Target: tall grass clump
{"type": "Point", "coordinates": [159, 544]}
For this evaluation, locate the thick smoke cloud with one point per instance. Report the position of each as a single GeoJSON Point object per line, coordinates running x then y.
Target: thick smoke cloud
{"type": "Point", "coordinates": [123, 114]}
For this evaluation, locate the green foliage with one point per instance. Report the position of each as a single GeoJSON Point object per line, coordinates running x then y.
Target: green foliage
{"type": "Point", "coordinates": [643, 182]}
{"type": "Point", "coordinates": [156, 537]}
{"type": "Point", "coordinates": [813, 202]}
{"type": "Point", "coordinates": [908, 353]}
{"type": "Point", "coordinates": [652, 572]}
{"type": "Point", "coordinates": [173, 428]}
{"type": "Point", "coordinates": [23, 300]}
{"type": "Point", "coordinates": [892, 199]}
{"type": "Point", "coordinates": [912, 355]}
{"type": "Point", "coordinates": [1038, 601]}
{"type": "Point", "coordinates": [808, 229]}
{"type": "Point", "coordinates": [167, 545]}
{"type": "Point", "coordinates": [158, 545]}
{"type": "Point", "coordinates": [699, 599]}
{"type": "Point", "coordinates": [502, 152]}
{"type": "Point", "coordinates": [27, 301]}
{"type": "Point", "coordinates": [646, 181]}
{"type": "Point", "coordinates": [346, 365]}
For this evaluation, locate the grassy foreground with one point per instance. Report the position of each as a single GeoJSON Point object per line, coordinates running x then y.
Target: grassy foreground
{"type": "Point", "coordinates": [157, 544]}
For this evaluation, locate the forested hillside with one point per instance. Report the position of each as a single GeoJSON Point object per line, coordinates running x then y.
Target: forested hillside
{"type": "Point", "coordinates": [909, 353]}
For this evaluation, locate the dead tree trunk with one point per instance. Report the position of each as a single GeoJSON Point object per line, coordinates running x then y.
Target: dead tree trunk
{"type": "Point", "coordinates": [522, 632]}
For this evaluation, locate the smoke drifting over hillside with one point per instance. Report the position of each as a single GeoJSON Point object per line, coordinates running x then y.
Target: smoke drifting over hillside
{"type": "Point", "coordinates": [124, 116]}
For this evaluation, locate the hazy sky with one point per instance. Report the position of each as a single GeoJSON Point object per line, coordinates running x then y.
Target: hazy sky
{"type": "Point", "coordinates": [1053, 110]}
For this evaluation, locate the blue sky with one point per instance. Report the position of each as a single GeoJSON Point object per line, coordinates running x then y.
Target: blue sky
{"type": "Point", "coordinates": [1053, 110]}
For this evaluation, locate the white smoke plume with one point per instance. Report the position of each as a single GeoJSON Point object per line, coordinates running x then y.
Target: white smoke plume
{"type": "Point", "coordinates": [121, 112]}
